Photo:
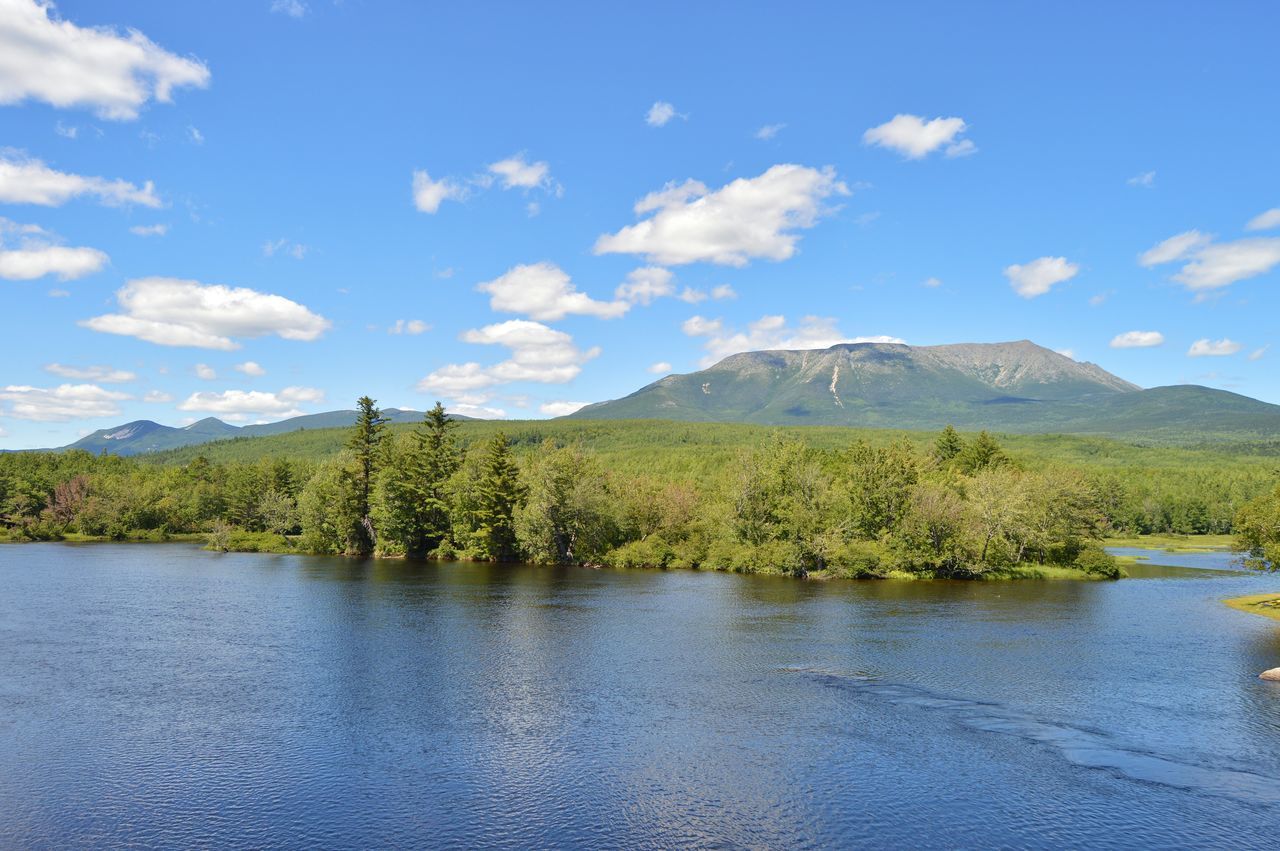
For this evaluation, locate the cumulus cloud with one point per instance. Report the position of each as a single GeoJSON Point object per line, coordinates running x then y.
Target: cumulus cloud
{"type": "Point", "coordinates": [689, 295]}
{"type": "Point", "coordinates": [176, 312]}
{"type": "Point", "coordinates": [46, 58]}
{"type": "Point", "coordinates": [660, 113]}
{"type": "Point", "coordinates": [561, 409]}
{"type": "Point", "coordinates": [157, 396]}
{"type": "Point", "coordinates": [62, 403]}
{"type": "Point", "coordinates": [770, 333]}
{"type": "Point", "coordinates": [915, 138]}
{"type": "Point", "coordinates": [723, 291]}
{"type": "Point", "coordinates": [543, 291]}
{"type": "Point", "coordinates": [1040, 275]}
{"type": "Point", "coordinates": [205, 372]}
{"type": "Point", "coordinates": [1211, 265]}
{"type": "Point", "coordinates": [429, 194]}
{"type": "Point", "coordinates": [1137, 340]}
{"type": "Point", "coordinates": [748, 218]}
{"type": "Point", "coordinates": [250, 368]}
{"type": "Point", "coordinates": [517, 173]}
{"type": "Point", "coordinates": [97, 374]}
{"type": "Point", "coordinates": [477, 410]}
{"type": "Point", "coordinates": [252, 402]}
{"type": "Point", "coordinates": [1257, 354]}
{"type": "Point", "coordinates": [769, 131]}
{"type": "Point", "coordinates": [1213, 348]}
{"type": "Point", "coordinates": [932, 283]}
{"type": "Point", "coordinates": [1145, 180]}
{"type": "Point", "coordinates": [409, 326]}
{"type": "Point", "coordinates": [149, 230]}
{"type": "Point", "coordinates": [660, 368]}
{"type": "Point", "coordinates": [1269, 220]}
{"type": "Point", "coordinates": [645, 284]}
{"type": "Point", "coordinates": [28, 252]}
{"type": "Point", "coordinates": [538, 354]}
{"type": "Point", "coordinates": [24, 180]}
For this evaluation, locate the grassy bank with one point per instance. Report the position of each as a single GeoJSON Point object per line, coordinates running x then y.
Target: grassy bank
{"type": "Point", "coordinates": [1267, 605]}
{"type": "Point", "coordinates": [1174, 543]}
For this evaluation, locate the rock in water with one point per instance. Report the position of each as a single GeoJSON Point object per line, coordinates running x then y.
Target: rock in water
{"type": "Point", "coordinates": [1273, 675]}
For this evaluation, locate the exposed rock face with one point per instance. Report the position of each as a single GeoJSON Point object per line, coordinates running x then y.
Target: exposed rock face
{"type": "Point", "coordinates": [1273, 675]}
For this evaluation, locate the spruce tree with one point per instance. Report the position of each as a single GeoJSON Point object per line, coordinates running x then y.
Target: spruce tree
{"type": "Point", "coordinates": [949, 445]}
{"type": "Point", "coordinates": [365, 445]}
{"type": "Point", "coordinates": [499, 491]}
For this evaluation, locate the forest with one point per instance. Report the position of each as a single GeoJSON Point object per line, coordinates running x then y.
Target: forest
{"type": "Point", "coordinates": [833, 502]}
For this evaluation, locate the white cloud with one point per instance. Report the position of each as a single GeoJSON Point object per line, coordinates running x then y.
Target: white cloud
{"type": "Point", "coordinates": [205, 372]}
{"type": "Point", "coordinates": [1265, 221]}
{"type": "Point", "coordinates": [58, 293]}
{"type": "Point", "coordinates": [645, 284]}
{"type": "Point", "coordinates": [245, 402]}
{"type": "Point", "coordinates": [660, 368]}
{"type": "Point", "coordinates": [538, 353]}
{"type": "Point", "coordinates": [292, 8]}
{"type": "Point", "coordinates": [482, 412]}
{"type": "Point", "coordinates": [517, 173]}
{"type": "Point", "coordinates": [43, 57]}
{"type": "Point", "coordinates": [99, 374]}
{"type": "Point", "coordinates": [1040, 275]}
{"type": "Point", "coordinates": [560, 409]}
{"type": "Point", "coordinates": [28, 252]}
{"type": "Point", "coordinates": [533, 208]}
{"type": "Point", "coordinates": [1213, 348]}
{"type": "Point", "coordinates": [1145, 180]}
{"type": "Point", "coordinates": [62, 403]}
{"type": "Point", "coordinates": [723, 291]}
{"type": "Point", "coordinates": [915, 138]}
{"type": "Point", "coordinates": [409, 326]}
{"type": "Point", "coordinates": [689, 295]}
{"type": "Point", "coordinates": [659, 114]}
{"type": "Point", "coordinates": [1174, 248]}
{"type": "Point", "coordinates": [24, 180]}
{"type": "Point", "coordinates": [769, 131]}
{"type": "Point", "coordinates": [157, 396]}
{"type": "Point", "coordinates": [866, 218]}
{"type": "Point", "coordinates": [1257, 354]}
{"type": "Point", "coordinates": [543, 291]}
{"type": "Point", "coordinates": [429, 194]}
{"type": "Point", "coordinates": [745, 219]}
{"type": "Point", "coordinates": [149, 230]}
{"type": "Point", "coordinates": [251, 368]}
{"type": "Point", "coordinates": [1137, 340]}
{"type": "Point", "coordinates": [194, 135]}
{"type": "Point", "coordinates": [283, 246]}
{"type": "Point", "coordinates": [1067, 353]}
{"type": "Point", "coordinates": [770, 333]}
{"type": "Point", "coordinates": [932, 283]}
{"type": "Point", "coordinates": [66, 131]}
{"type": "Point", "coordinates": [1221, 264]}
{"type": "Point", "coordinates": [175, 312]}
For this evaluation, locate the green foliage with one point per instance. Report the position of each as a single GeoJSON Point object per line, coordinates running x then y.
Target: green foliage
{"type": "Point", "coordinates": [567, 516]}
{"type": "Point", "coordinates": [1257, 531]}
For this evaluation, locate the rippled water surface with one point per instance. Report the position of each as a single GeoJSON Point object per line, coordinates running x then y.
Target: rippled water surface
{"type": "Point", "coordinates": [162, 696]}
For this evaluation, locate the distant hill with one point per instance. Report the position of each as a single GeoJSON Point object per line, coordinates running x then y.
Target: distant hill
{"type": "Point", "coordinates": [1011, 387]}
{"type": "Point", "coordinates": [144, 436]}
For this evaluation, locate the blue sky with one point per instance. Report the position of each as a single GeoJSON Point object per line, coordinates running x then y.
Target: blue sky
{"type": "Point", "coordinates": [253, 209]}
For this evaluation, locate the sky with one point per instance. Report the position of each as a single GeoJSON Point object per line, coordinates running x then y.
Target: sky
{"type": "Point", "coordinates": [262, 208]}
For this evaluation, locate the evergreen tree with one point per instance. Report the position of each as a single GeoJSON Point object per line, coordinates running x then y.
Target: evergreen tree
{"type": "Point", "coordinates": [413, 499]}
{"type": "Point", "coordinates": [982, 453]}
{"type": "Point", "coordinates": [499, 493]}
{"type": "Point", "coordinates": [365, 445]}
{"type": "Point", "coordinates": [948, 446]}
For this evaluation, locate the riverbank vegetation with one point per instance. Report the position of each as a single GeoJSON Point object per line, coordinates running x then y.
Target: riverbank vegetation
{"type": "Point", "coordinates": [823, 502]}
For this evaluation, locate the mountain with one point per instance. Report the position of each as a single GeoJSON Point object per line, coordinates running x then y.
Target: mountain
{"type": "Point", "coordinates": [1014, 387]}
{"type": "Point", "coordinates": [142, 436]}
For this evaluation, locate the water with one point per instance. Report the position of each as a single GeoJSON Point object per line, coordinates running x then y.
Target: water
{"type": "Point", "coordinates": [162, 696]}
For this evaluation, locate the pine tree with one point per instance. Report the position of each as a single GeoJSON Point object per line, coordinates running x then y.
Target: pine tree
{"type": "Point", "coordinates": [413, 498]}
{"type": "Point", "coordinates": [948, 446]}
{"type": "Point", "coordinates": [982, 453]}
{"type": "Point", "coordinates": [499, 493]}
{"type": "Point", "coordinates": [365, 445]}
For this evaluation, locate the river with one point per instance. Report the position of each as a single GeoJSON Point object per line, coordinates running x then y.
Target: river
{"type": "Point", "coordinates": [163, 696]}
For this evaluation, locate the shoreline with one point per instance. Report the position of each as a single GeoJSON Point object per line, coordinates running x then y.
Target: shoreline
{"type": "Point", "coordinates": [1263, 605]}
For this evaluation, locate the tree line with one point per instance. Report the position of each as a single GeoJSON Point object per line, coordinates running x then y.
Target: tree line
{"type": "Point", "coordinates": [961, 508]}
